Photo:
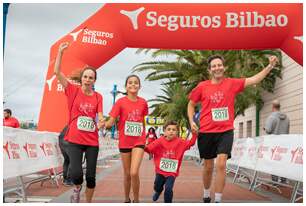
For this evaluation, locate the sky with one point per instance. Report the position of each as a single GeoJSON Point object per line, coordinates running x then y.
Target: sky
{"type": "Point", "coordinates": [30, 31]}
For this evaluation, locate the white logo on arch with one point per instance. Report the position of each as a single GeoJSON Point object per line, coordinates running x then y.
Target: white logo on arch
{"type": "Point", "coordinates": [133, 16]}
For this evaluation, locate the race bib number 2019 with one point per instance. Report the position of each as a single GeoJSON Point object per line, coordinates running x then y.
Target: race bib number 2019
{"type": "Point", "coordinates": [168, 165]}
{"type": "Point", "coordinates": [86, 124]}
{"type": "Point", "coordinates": [220, 114]}
{"type": "Point", "coordinates": [133, 128]}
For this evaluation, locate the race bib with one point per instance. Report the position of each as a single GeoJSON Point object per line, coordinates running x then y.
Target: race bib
{"type": "Point", "coordinates": [220, 114]}
{"type": "Point", "coordinates": [86, 124]}
{"type": "Point", "coordinates": [133, 128]}
{"type": "Point", "coordinates": [168, 165]}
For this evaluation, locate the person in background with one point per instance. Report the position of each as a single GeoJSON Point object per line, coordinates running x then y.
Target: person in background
{"type": "Point", "coordinates": [277, 123]}
{"type": "Point", "coordinates": [8, 120]}
{"type": "Point", "coordinates": [151, 137]}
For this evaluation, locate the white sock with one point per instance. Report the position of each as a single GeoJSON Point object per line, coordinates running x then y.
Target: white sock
{"type": "Point", "coordinates": [206, 193]}
{"type": "Point", "coordinates": [218, 197]}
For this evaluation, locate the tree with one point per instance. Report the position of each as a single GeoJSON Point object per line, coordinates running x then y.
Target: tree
{"type": "Point", "coordinates": [173, 104]}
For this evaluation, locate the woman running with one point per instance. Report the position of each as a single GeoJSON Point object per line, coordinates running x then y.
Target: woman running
{"type": "Point", "coordinates": [131, 111]}
{"type": "Point", "coordinates": [82, 134]}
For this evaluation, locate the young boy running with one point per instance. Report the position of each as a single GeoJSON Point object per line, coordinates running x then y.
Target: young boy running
{"type": "Point", "coordinates": [168, 153]}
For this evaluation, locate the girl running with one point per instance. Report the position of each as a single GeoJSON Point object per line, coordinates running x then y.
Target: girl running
{"type": "Point", "coordinates": [131, 111]}
{"type": "Point", "coordinates": [82, 134]}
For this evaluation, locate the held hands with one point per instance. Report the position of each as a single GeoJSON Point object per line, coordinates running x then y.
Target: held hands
{"type": "Point", "coordinates": [272, 61]}
{"type": "Point", "coordinates": [101, 124]}
{"type": "Point", "coordinates": [194, 127]}
{"type": "Point", "coordinates": [63, 46]}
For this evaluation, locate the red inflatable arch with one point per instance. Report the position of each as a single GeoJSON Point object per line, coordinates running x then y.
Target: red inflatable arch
{"type": "Point", "coordinates": [169, 26]}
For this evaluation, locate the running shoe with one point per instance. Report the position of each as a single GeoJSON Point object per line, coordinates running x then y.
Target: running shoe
{"type": "Point", "coordinates": [206, 200]}
{"type": "Point", "coordinates": [75, 197]}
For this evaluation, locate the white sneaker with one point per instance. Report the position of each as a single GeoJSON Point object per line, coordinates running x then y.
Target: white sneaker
{"type": "Point", "coordinates": [75, 197]}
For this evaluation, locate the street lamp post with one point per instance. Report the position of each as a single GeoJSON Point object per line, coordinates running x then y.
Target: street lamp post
{"type": "Point", "coordinates": [5, 11]}
{"type": "Point", "coordinates": [114, 92]}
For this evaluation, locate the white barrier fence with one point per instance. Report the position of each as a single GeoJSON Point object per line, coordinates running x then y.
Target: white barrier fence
{"type": "Point", "coordinates": [26, 152]}
{"type": "Point", "coordinates": [280, 155]}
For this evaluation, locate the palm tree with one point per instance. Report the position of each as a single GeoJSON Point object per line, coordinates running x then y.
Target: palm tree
{"type": "Point", "coordinates": [173, 104]}
{"type": "Point", "coordinates": [190, 68]}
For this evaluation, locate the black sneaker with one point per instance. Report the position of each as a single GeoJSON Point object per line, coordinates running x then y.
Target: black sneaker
{"type": "Point", "coordinates": [206, 199]}
{"type": "Point", "coordinates": [155, 196]}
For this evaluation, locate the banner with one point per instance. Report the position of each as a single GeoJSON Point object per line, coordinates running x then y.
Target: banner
{"type": "Point", "coordinates": [169, 26]}
{"type": "Point", "coordinates": [26, 152]}
{"type": "Point", "coordinates": [280, 155]}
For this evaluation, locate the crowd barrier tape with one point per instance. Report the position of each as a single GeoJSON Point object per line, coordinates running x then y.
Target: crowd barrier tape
{"type": "Point", "coordinates": [26, 151]}
{"type": "Point", "coordinates": [280, 155]}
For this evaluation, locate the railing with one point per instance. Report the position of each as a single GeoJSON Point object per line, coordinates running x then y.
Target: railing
{"type": "Point", "coordinates": [29, 153]}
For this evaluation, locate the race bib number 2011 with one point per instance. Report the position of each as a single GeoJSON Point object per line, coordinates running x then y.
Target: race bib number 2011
{"type": "Point", "coordinates": [86, 124]}
{"type": "Point", "coordinates": [133, 128]}
{"type": "Point", "coordinates": [168, 165]}
{"type": "Point", "coordinates": [220, 114]}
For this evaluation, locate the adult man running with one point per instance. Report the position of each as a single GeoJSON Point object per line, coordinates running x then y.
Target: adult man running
{"type": "Point", "coordinates": [215, 140]}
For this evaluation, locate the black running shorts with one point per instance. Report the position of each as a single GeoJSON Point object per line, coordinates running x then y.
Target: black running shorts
{"type": "Point", "coordinates": [212, 144]}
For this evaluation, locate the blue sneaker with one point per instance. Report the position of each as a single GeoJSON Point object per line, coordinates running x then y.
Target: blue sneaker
{"type": "Point", "coordinates": [155, 196]}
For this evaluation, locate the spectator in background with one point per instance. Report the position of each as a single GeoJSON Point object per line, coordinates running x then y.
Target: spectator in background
{"type": "Point", "coordinates": [151, 137]}
{"type": "Point", "coordinates": [8, 120]}
{"type": "Point", "coordinates": [63, 144]}
{"type": "Point", "coordinates": [277, 123]}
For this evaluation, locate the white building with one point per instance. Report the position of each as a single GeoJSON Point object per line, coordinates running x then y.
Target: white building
{"type": "Point", "coordinates": [289, 91]}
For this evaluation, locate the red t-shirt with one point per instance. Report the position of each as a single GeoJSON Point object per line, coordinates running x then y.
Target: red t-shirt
{"type": "Point", "coordinates": [81, 107]}
{"type": "Point", "coordinates": [131, 121]}
{"type": "Point", "coordinates": [10, 122]}
{"type": "Point", "coordinates": [169, 149]}
{"type": "Point", "coordinates": [151, 137]}
{"type": "Point", "coordinates": [217, 100]}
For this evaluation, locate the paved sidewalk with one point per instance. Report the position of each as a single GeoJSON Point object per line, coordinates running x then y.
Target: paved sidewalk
{"type": "Point", "coordinates": [188, 187]}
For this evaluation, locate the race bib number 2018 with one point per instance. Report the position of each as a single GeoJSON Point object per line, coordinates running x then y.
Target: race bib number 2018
{"type": "Point", "coordinates": [133, 128]}
{"type": "Point", "coordinates": [86, 124]}
{"type": "Point", "coordinates": [220, 114]}
{"type": "Point", "coordinates": [168, 165]}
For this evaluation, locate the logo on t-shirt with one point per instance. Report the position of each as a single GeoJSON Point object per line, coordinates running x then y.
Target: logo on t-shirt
{"type": "Point", "coordinates": [86, 107]}
{"type": "Point", "coordinates": [217, 97]}
{"type": "Point", "coordinates": [169, 154]}
{"type": "Point", "coordinates": [135, 115]}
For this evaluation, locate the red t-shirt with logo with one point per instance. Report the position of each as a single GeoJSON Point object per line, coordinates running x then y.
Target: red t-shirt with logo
{"type": "Point", "coordinates": [173, 149]}
{"type": "Point", "coordinates": [81, 107]}
{"type": "Point", "coordinates": [217, 100]}
{"type": "Point", "coordinates": [131, 121]}
{"type": "Point", "coordinates": [10, 122]}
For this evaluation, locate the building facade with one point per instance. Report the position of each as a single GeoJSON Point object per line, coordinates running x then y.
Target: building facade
{"type": "Point", "coordinates": [289, 91]}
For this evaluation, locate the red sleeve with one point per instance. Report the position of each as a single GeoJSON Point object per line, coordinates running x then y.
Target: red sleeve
{"type": "Point", "coordinates": [195, 94]}
{"type": "Point", "coordinates": [70, 89]}
{"type": "Point", "coordinates": [71, 92]}
{"type": "Point", "coordinates": [152, 147]}
{"type": "Point", "coordinates": [115, 110]}
{"type": "Point", "coordinates": [146, 109]}
{"type": "Point", "coordinates": [238, 85]}
{"type": "Point", "coordinates": [16, 123]}
{"type": "Point", "coordinates": [100, 103]}
{"type": "Point", "coordinates": [191, 142]}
